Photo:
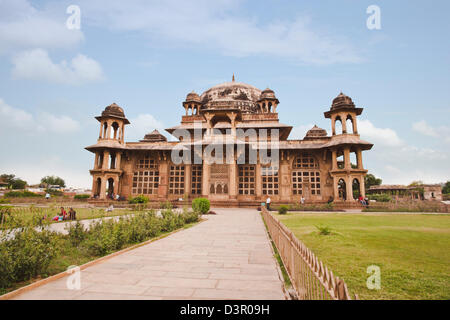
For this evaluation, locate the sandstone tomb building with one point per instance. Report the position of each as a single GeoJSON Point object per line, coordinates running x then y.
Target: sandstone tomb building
{"type": "Point", "coordinates": [317, 168]}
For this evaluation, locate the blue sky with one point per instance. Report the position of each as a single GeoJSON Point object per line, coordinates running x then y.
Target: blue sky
{"type": "Point", "coordinates": [147, 55]}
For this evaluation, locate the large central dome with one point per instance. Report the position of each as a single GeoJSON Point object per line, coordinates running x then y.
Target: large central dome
{"type": "Point", "coordinates": [232, 94]}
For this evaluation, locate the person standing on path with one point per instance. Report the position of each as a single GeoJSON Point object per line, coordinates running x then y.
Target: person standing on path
{"type": "Point", "coordinates": [268, 203]}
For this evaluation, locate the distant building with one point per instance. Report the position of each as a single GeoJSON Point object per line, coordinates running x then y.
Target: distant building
{"type": "Point", "coordinates": [402, 192]}
{"type": "Point", "coordinates": [318, 167]}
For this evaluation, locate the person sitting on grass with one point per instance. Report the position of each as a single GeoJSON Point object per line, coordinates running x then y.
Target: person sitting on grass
{"type": "Point", "coordinates": [63, 214]}
{"type": "Point", "coordinates": [72, 214]}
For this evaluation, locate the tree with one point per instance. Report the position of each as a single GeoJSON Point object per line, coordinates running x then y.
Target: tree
{"type": "Point", "coordinates": [53, 181]}
{"type": "Point", "coordinates": [371, 180]}
{"type": "Point", "coordinates": [446, 188]}
{"type": "Point", "coordinates": [13, 182]}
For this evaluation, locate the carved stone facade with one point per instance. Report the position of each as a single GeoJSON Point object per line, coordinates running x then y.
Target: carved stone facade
{"type": "Point", "coordinates": [243, 120]}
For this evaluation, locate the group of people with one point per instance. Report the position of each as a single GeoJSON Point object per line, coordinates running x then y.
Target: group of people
{"type": "Point", "coordinates": [364, 201]}
{"type": "Point", "coordinates": [64, 215]}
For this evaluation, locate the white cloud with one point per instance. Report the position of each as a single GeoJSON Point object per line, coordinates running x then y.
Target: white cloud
{"type": "Point", "coordinates": [23, 26]}
{"type": "Point", "coordinates": [224, 27]}
{"type": "Point", "coordinates": [141, 125]}
{"type": "Point", "coordinates": [380, 136]}
{"type": "Point", "coordinates": [15, 118]}
{"type": "Point", "coordinates": [442, 132]}
{"type": "Point", "coordinates": [37, 65]}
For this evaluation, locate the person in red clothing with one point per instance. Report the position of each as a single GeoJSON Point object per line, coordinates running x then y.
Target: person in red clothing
{"type": "Point", "coordinates": [63, 213]}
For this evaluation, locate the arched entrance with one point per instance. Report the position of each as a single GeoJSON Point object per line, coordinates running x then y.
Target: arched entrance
{"type": "Point", "coordinates": [342, 189]}
{"type": "Point", "coordinates": [356, 188]}
{"type": "Point", "coordinates": [110, 189]}
{"type": "Point", "coordinates": [98, 187]}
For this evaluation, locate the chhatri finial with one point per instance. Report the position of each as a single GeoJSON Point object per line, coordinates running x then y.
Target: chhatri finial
{"type": "Point", "coordinates": [233, 78]}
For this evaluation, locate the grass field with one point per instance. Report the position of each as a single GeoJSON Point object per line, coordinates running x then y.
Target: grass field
{"type": "Point", "coordinates": [412, 251]}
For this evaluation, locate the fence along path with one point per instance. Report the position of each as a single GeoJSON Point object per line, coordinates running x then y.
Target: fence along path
{"type": "Point", "coordinates": [310, 278]}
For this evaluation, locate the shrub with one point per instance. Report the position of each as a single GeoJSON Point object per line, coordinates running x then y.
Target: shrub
{"type": "Point", "coordinates": [27, 255]}
{"type": "Point", "coordinates": [54, 192]}
{"type": "Point", "coordinates": [283, 209]}
{"type": "Point", "coordinates": [22, 194]}
{"type": "Point", "coordinates": [324, 230]}
{"type": "Point", "coordinates": [201, 205]}
{"type": "Point", "coordinates": [4, 201]}
{"type": "Point", "coordinates": [76, 233]}
{"type": "Point", "coordinates": [140, 199]}
{"type": "Point", "coordinates": [81, 196]}
{"type": "Point", "coordinates": [380, 197]}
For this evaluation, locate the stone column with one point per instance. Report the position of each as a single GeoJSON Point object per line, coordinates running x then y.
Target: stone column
{"type": "Point", "coordinates": [333, 125]}
{"type": "Point", "coordinates": [258, 180]}
{"type": "Point", "coordinates": [333, 160]}
{"type": "Point", "coordinates": [232, 179]}
{"type": "Point", "coordinates": [359, 156]}
{"type": "Point", "coordinates": [335, 189]}
{"type": "Point", "coordinates": [344, 124]}
{"type": "Point", "coordinates": [96, 160]}
{"type": "Point", "coordinates": [116, 186]}
{"type": "Point", "coordinates": [362, 186]}
{"type": "Point", "coordinates": [355, 126]}
{"type": "Point", "coordinates": [101, 130]}
{"type": "Point", "coordinates": [347, 165]}
{"type": "Point", "coordinates": [187, 179]}
{"type": "Point", "coordinates": [349, 185]}
{"type": "Point", "coordinates": [205, 178]}
{"type": "Point", "coordinates": [105, 160]}
{"type": "Point", "coordinates": [108, 131]}
{"type": "Point", "coordinates": [103, 189]}
{"type": "Point", "coordinates": [118, 160]}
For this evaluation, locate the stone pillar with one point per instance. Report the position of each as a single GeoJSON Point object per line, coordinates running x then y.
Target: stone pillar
{"type": "Point", "coordinates": [116, 186]}
{"type": "Point", "coordinates": [103, 189]}
{"type": "Point", "coordinates": [349, 185]}
{"type": "Point", "coordinates": [187, 179]}
{"type": "Point", "coordinates": [96, 160]}
{"type": "Point", "coordinates": [362, 186]}
{"type": "Point", "coordinates": [344, 124]}
{"type": "Point", "coordinates": [333, 160]}
{"type": "Point", "coordinates": [101, 130]}
{"type": "Point", "coordinates": [232, 179]}
{"type": "Point", "coordinates": [118, 160]}
{"type": "Point", "coordinates": [347, 164]}
{"type": "Point", "coordinates": [105, 160]}
{"type": "Point", "coordinates": [205, 178]}
{"type": "Point", "coordinates": [333, 125]}
{"type": "Point", "coordinates": [335, 188]}
{"type": "Point", "coordinates": [108, 131]}
{"type": "Point", "coordinates": [355, 126]}
{"type": "Point", "coordinates": [258, 180]}
{"type": "Point", "coordinates": [359, 158]}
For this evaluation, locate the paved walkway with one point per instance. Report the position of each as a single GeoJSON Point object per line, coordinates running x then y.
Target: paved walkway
{"type": "Point", "coordinates": [226, 257]}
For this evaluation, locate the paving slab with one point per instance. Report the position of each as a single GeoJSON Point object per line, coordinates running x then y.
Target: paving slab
{"type": "Point", "coordinates": [228, 256]}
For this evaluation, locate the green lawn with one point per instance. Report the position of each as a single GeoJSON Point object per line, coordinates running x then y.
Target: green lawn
{"type": "Point", "coordinates": [413, 251]}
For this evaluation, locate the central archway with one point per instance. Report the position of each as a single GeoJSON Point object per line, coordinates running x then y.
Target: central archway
{"type": "Point", "coordinates": [342, 189]}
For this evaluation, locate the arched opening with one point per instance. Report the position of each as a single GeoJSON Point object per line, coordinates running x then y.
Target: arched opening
{"type": "Point", "coordinates": [340, 159]}
{"type": "Point", "coordinates": [211, 189]}
{"type": "Point", "coordinates": [342, 189]}
{"type": "Point", "coordinates": [112, 162]}
{"type": "Point", "coordinates": [110, 190]}
{"type": "Point", "coordinates": [225, 188]}
{"type": "Point", "coordinates": [353, 159]}
{"type": "Point", "coordinates": [269, 109]}
{"type": "Point", "coordinates": [105, 129]}
{"type": "Point", "coordinates": [219, 189]}
{"type": "Point", "coordinates": [356, 187]}
{"type": "Point", "coordinates": [349, 124]}
{"type": "Point", "coordinates": [98, 187]}
{"type": "Point", "coordinates": [338, 125]}
{"type": "Point", "coordinates": [115, 127]}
